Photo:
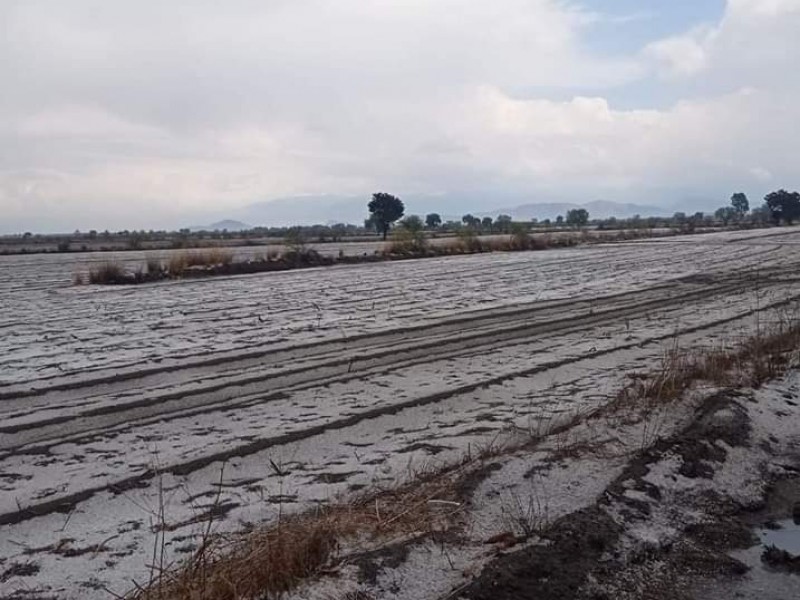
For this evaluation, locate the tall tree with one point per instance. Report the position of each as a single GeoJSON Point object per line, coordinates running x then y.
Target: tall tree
{"type": "Point", "coordinates": [726, 214]}
{"type": "Point", "coordinates": [740, 203]}
{"type": "Point", "coordinates": [783, 206]}
{"type": "Point", "coordinates": [470, 221]}
{"type": "Point", "coordinates": [385, 209]}
{"type": "Point", "coordinates": [433, 220]}
{"type": "Point", "coordinates": [503, 223]}
{"type": "Point", "coordinates": [577, 217]}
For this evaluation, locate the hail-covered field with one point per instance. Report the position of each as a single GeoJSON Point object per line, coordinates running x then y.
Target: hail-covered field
{"type": "Point", "coordinates": [130, 412]}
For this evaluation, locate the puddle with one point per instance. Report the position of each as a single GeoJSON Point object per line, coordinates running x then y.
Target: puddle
{"type": "Point", "coordinates": [772, 526]}
{"type": "Point", "coordinates": [784, 536]}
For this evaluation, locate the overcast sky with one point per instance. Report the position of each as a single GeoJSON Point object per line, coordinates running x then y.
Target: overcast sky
{"type": "Point", "coordinates": [151, 113]}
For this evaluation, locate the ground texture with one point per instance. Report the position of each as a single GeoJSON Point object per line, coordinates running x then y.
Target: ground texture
{"type": "Point", "coordinates": [126, 412]}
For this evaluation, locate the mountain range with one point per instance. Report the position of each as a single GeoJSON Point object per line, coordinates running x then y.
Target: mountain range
{"type": "Point", "coordinates": [328, 209]}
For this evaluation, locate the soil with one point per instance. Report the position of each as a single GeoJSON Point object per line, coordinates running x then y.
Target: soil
{"type": "Point", "coordinates": [575, 548]}
{"type": "Point", "coordinates": [588, 555]}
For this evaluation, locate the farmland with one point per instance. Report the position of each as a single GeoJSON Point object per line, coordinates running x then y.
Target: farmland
{"type": "Point", "coordinates": [132, 410]}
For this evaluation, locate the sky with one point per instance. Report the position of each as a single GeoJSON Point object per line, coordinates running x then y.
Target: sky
{"type": "Point", "coordinates": [154, 114]}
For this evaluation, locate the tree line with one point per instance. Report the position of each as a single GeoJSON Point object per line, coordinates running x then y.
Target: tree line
{"type": "Point", "coordinates": [387, 210]}
{"type": "Point", "coordinates": [779, 207]}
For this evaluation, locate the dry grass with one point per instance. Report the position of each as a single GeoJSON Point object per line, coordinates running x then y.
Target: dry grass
{"type": "Point", "coordinates": [272, 561]}
{"type": "Point", "coordinates": [749, 363]}
{"type": "Point", "coordinates": [154, 266]}
{"type": "Point", "coordinates": [213, 257]}
{"type": "Point", "coordinates": [108, 272]}
{"type": "Point", "coordinates": [407, 242]}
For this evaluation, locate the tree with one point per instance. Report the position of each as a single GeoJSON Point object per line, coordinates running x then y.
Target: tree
{"type": "Point", "coordinates": [740, 204]}
{"type": "Point", "coordinates": [503, 223]}
{"type": "Point", "coordinates": [783, 205]}
{"type": "Point", "coordinates": [295, 241]}
{"type": "Point", "coordinates": [761, 215]}
{"type": "Point", "coordinates": [486, 223]}
{"type": "Point", "coordinates": [559, 220]}
{"type": "Point", "coordinates": [412, 223]}
{"type": "Point", "coordinates": [470, 221]}
{"type": "Point", "coordinates": [577, 217]}
{"type": "Point", "coordinates": [726, 214]}
{"type": "Point", "coordinates": [411, 234]}
{"type": "Point", "coordinates": [385, 210]}
{"type": "Point", "coordinates": [433, 221]}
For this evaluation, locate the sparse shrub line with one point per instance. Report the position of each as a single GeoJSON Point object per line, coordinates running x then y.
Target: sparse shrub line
{"type": "Point", "coordinates": [405, 244]}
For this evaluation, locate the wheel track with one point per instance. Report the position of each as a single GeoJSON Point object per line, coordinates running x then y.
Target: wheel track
{"type": "Point", "coordinates": [68, 502]}
{"type": "Point", "coordinates": [373, 353]}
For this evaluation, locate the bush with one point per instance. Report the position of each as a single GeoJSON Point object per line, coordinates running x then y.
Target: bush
{"type": "Point", "coordinates": [108, 273]}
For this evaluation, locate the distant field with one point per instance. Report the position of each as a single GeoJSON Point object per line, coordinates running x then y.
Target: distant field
{"type": "Point", "coordinates": [345, 376]}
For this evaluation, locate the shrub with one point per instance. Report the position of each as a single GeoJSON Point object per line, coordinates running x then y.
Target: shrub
{"type": "Point", "coordinates": [214, 257]}
{"type": "Point", "coordinates": [108, 272]}
{"type": "Point", "coordinates": [468, 239]}
{"type": "Point", "coordinates": [154, 267]}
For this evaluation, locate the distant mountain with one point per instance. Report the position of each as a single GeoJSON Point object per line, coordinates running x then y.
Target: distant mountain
{"type": "Point", "coordinates": [330, 208]}
{"type": "Point", "coordinates": [227, 224]}
{"type": "Point", "coordinates": [304, 210]}
{"type": "Point", "coordinates": [598, 209]}
{"type": "Point", "coordinates": [693, 204]}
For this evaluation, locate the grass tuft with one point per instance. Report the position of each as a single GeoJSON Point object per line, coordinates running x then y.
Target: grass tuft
{"type": "Point", "coordinates": [108, 273]}
{"type": "Point", "coordinates": [750, 363]}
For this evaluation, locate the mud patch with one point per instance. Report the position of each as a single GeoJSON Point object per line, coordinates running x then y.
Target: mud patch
{"type": "Point", "coordinates": [781, 560]}
{"type": "Point", "coordinates": [371, 564]}
{"type": "Point", "coordinates": [19, 570]}
{"type": "Point", "coordinates": [577, 547]}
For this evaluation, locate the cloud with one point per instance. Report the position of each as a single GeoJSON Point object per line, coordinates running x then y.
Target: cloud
{"type": "Point", "coordinates": [138, 115]}
{"type": "Point", "coordinates": [680, 56]}
{"type": "Point", "coordinates": [761, 174]}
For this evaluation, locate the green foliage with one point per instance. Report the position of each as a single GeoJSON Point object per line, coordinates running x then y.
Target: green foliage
{"type": "Point", "coordinates": [521, 238]}
{"type": "Point", "coordinates": [295, 240]}
{"type": "Point", "coordinates": [783, 206]}
{"type": "Point", "coordinates": [385, 209]}
{"type": "Point", "coordinates": [740, 203]}
{"type": "Point", "coordinates": [410, 236]}
{"type": "Point", "coordinates": [433, 221]}
{"type": "Point", "coordinates": [470, 221]}
{"type": "Point", "coordinates": [577, 217]}
{"type": "Point", "coordinates": [726, 214]}
{"type": "Point", "coordinates": [503, 223]}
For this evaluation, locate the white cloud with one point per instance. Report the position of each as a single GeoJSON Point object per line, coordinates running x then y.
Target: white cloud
{"type": "Point", "coordinates": [763, 8]}
{"type": "Point", "coordinates": [141, 111]}
{"type": "Point", "coordinates": [761, 174]}
{"type": "Point", "coordinates": [680, 56]}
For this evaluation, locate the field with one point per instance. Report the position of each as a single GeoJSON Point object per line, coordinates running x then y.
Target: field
{"type": "Point", "coordinates": [129, 411]}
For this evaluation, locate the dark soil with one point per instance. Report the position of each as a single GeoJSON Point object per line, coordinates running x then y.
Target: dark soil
{"type": "Point", "coordinates": [576, 547]}
{"type": "Point", "coordinates": [371, 564]}
{"type": "Point", "coordinates": [19, 570]}
{"type": "Point", "coordinates": [582, 557]}
{"type": "Point", "coordinates": [781, 560]}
